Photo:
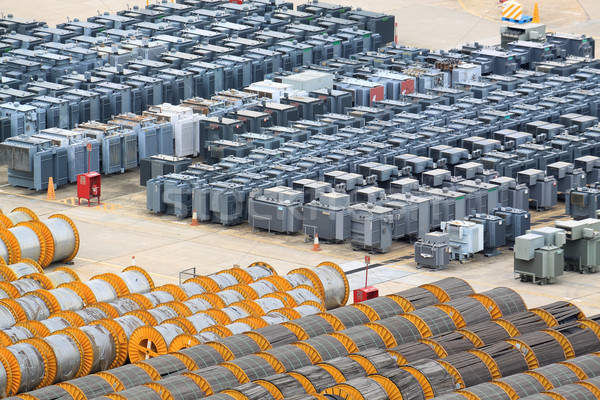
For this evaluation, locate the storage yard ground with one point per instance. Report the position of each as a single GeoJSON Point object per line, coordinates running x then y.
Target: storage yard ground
{"type": "Point", "coordinates": [164, 245]}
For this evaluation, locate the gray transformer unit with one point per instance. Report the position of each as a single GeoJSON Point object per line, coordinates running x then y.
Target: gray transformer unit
{"type": "Point", "coordinates": [328, 217]}
{"type": "Point", "coordinates": [582, 247]}
{"type": "Point", "coordinates": [543, 190]}
{"type": "Point", "coordinates": [371, 227]}
{"type": "Point", "coordinates": [466, 238]}
{"type": "Point", "coordinates": [567, 177]}
{"type": "Point", "coordinates": [539, 256]}
{"type": "Point", "coordinates": [277, 209]}
{"type": "Point", "coordinates": [494, 232]}
{"type": "Point", "coordinates": [581, 203]}
{"type": "Point", "coordinates": [433, 251]}
{"type": "Point", "coordinates": [517, 222]}
{"type": "Point", "coordinates": [227, 203]}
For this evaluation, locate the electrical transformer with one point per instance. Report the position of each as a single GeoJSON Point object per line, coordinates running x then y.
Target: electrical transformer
{"type": "Point", "coordinates": [543, 190]}
{"type": "Point", "coordinates": [329, 217]}
{"type": "Point", "coordinates": [582, 202]}
{"type": "Point", "coordinates": [433, 251]}
{"type": "Point", "coordinates": [371, 227]}
{"type": "Point", "coordinates": [277, 209]}
{"type": "Point", "coordinates": [539, 257]}
{"type": "Point", "coordinates": [466, 238]}
{"type": "Point", "coordinates": [517, 222]}
{"type": "Point", "coordinates": [582, 247]}
{"type": "Point", "coordinates": [494, 232]}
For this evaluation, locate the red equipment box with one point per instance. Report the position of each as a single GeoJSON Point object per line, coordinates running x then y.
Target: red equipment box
{"type": "Point", "coordinates": [88, 186]}
{"type": "Point", "coordinates": [366, 293]}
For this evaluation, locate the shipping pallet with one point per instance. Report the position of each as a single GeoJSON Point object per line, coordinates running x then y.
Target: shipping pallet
{"type": "Point", "coordinates": [524, 19]}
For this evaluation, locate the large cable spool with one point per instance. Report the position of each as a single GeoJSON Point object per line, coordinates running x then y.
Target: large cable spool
{"type": "Point", "coordinates": [175, 387]}
{"type": "Point", "coordinates": [314, 378]}
{"type": "Point", "coordinates": [322, 348]}
{"type": "Point", "coordinates": [331, 281]}
{"type": "Point", "coordinates": [282, 386]}
{"type": "Point", "coordinates": [61, 299]}
{"type": "Point", "coordinates": [250, 368]}
{"type": "Point", "coordinates": [65, 236]}
{"type": "Point", "coordinates": [540, 348]}
{"type": "Point", "coordinates": [22, 287]}
{"type": "Point", "coordinates": [238, 346]}
{"type": "Point", "coordinates": [582, 338]}
{"type": "Point", "coordinates": [149, 341]}
{"type": "Point", "coordinates": [344, 368]}
{"type": "Point", "coordinates": [33, 306]}
{"type": "Point", "coordinates": [526, 322]}
{"type": "Point", "coordinates": [369, 336]}
{"type": "Point", "coordinates": [485, 390]}
{"type": "Point", "coordinates": [408, 386]}
{"type": "Point", "coordinates": [490, 332]}
{"type": "Point", "coordinates": [589, 364]}
{"type": "Point", "coordinates": [88, 387]}
{"type": "Point", "coordinates": [287, 358]}
{"type": "Point", "coordinates": [126, 305]}
{"type": "Point", "coordinates": [360, 389]}
{"type": "Point", "coordinates": [306, 309]}
{"type": "Point", "coordinates": [414, 351]}
{"type": "Point", "coordinates": [28, 362]}
{"type": "Point", "coordinates": [96, 290]}
{"type": "Point", "coordinates": [138, 392]}
{"type": "Point", "coordinates": [435, 380]}
{"type": "Point", "coordinates": [100, 347]}
{"type": "Point", "coordinates": [386, 307]}
{"type": "Point", "coordinates": [202, 356]}
{"type": "Point", "coordinates": [30, 241]}
{"type": "Point", "coordinates": [350, 316]}
{"type": "Point", "coordinates": [375, 361]}
{"type": "Point", "coordinates": [49, 392]}
{"type": "Point", "coordinates": [467, 369]}
{"type": "Point", "coordinates": [229, 296]}
{"type": "Point", "coordinates": [19, 214]}
{"type": "Point", "coordinates": [168, 365]}
{"type": "Point", "coordinates": [258, 270]}
{"type": "Point", "coordinates": [501, 301]}
{"type": "Point", "coordinates": [9, 248]}
{"type": "Point", "coordinates": [449, 343]}
{"type": "Point", "coordinates": [575, 391]}
{"type": "Point", "coordinates": [24, 267]}
{"type": "Point", "coordinates": [55, 278]}
{"type": "Point", "coordinates": [503, 359]}
{"type": "Point", "coordinates": [275, 335]}
{"type": "Point", "coordinates": [154, 298]}
{"type": "Point", "coordinates": [449, 289]}
{"type": "Point", "coordinates": [249, 391]}
{"type": "Point", "coordinates": [303, 294]}
{"type": "Point", "coordinates": [8, 291]}
{"type": "Point", "coordinates": [214, 379]}
{"type": "Point", "coordinates": [560, 312]}
{"type": "Point", "coordinates": [521, 385]}
{"type": "Point", "coordinates": [403, 330]}
{"type": "Point", "coordinates": [431, 321]}
{"type": "Point", "coordinates": [466, 311]}
{"type": "Point", "coordinates": [126, 377]}
{"type": "Point", "coordinates": [310, 326]}
{"type": "Point", "coordinates": [191, 288]}
{"type": "Point", "coordinates": [224, 280]}
{"type": "Point", "coordinates": [12, 335]}
{"type": "Point", "coordinates": [48, 326]}
{"type": "Point", "coordinates": [555, 375]}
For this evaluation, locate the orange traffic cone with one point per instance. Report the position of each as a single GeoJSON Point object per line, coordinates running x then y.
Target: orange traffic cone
{"type": "Point", "coordinates": [132, 260]}
{"type": "Point", "coordinates": [316, 246]}
{"type": "Point", "coordinates": [194, 219]}
{"type": "Point", "coordinates": [536, 14]}
{"type": "Point", "coordinates": [51, 195]}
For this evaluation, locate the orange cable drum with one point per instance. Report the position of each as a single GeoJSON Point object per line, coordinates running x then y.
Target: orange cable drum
{"type": "Point", "coordinates": [12, 246]}
{"type": "Point", "coordinates": [122, 342]}
{"type": "Point", "coordinates": [183, 341]}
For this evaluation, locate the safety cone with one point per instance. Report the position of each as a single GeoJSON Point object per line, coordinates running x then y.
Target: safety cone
{"type": "Point", "coordinates": [51, 195]}
{"type": "Point", "coordinates": [194, 219]}
{"type": "Point", "coordinates": [316, 246]}
{"type": "Point", "coordinates": [132, 260]}
{"type": "Point", "coordinates": [536, 14]}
